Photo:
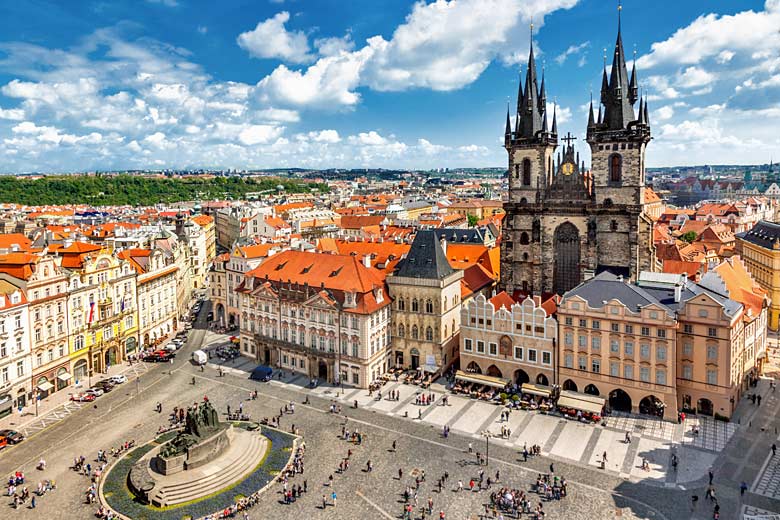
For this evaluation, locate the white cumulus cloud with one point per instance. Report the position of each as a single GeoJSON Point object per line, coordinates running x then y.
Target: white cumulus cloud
{"type": "Point", "coordinates": [271, 39]}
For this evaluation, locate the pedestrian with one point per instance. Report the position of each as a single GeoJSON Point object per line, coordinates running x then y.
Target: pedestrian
{"type": "Point", "coordinates": [333, 497]}
{"type": "Point", "coordinates": [758, 398]}
{"type": "Point", "coordinates": [324, 502]}
{"type": "Point", "coordinates": [742, 488]}
{"type": "Point", "coordinates": [694, 501]}
{"type": "Point", "coordinates": [711, 475]}
{"type": "Point", "coordinates": [400, 473]}
{"type": "Point", "coordinates": [552, 469]}
{"type": "Point", "coordinates": [471, 448]}
{"type": "Point", "coordinates": [460, 485]}
{"type": "Point", "coordinates": [774, 449]}
{"type": "Point", "coordinates": [394, 446]}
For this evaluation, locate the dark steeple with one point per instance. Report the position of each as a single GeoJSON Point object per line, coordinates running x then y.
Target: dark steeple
{"type": "Point", "coordinates": [555, 120]}
{"type": "Point", "coordinates": [529, 109]}
{"type": "Point", "coordinates": [542, 96]}
{"type": "Point", "coordinates": [508, 130]}
{"type": "Point", "coordinates": [591, 122]}
{"type": "Point", "coordinates": [633, 88]}
{"type": "Point", "coordinates": [647, 116]}
{"type": "Point", "coordinates": [426, 258]}
{"type": "Point", "coordinates": [641, 111]}
{"type": "Point", "coordinates": [619, 109]}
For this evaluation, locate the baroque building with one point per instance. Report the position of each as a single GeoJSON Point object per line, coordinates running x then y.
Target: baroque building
{"type": "Point", "coordinates": [564, 223]}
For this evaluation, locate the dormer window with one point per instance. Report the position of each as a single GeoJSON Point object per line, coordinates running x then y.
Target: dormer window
{"type": "Point", "coordinates": [379, 295]}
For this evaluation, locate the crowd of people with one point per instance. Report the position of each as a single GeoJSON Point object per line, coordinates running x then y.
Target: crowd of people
{"type": "Point", "coordinates": [20, 493]}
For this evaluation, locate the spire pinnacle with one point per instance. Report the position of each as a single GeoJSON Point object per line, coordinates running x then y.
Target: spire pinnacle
{"type": "Point", "coordinates": [555, 119]}
{"type": "Point", "coordinates": [508, 130]}
{"type": "Point", "coordinates": [591, 123]}
{"type": "Point", "coordinates": [641, 110]}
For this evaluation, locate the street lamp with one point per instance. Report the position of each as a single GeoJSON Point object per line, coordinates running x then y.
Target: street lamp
{"type": "Point", "coordinates": [486, 434]}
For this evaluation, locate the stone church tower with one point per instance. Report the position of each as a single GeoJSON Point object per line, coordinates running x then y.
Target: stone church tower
{"type": "Point", "coordinates": [564, 223]}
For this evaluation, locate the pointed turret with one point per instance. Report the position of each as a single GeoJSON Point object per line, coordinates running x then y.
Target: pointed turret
{"type": "Point", "coordinates": [544, 124]}
{"type": "Point", "coordinates": [555, 120]}
{"type": "Point", "coordinates": [542, 96]}
{"type": "Point", "coordinates": [529, 109]}
{"type": "Point", "coordinates": [604, 83]}
{"type": "Point", "coordinates": [633, 88]}
{"type": "Point", "coordinates": [600, 118]}
{"type": "Point", "coordinates": [641, 111]}
{"type": "Point", "coordinates": [647, 115]}
{"type": "Point", "coordinates": [591, 122]}
{"type": "Point", "coordinates": [508, 129]}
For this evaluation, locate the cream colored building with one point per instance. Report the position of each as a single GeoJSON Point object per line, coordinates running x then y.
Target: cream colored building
{"type": "Point", "coordinates": [325, 316]}
{"type": "Point", "coordinates": [500, 337]}
{"type": "Point", "coordinates": [760, 251]}
{"type": "Point", "coordinates": [15, 353]}
{"type": "Point", "coordinates": [426, 294]}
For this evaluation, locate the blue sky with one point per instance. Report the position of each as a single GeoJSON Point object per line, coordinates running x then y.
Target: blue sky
{"type": "Point", "coordinates": [99, 84]}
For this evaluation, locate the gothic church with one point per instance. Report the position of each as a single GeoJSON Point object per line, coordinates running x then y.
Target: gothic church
{"type": "Point", "coordinates": [564, 223]}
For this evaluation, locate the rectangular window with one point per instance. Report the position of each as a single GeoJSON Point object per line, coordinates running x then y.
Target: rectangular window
{"type": "Point", "coordinates": [712, 352]}
{"type": "Point", "coordinates": [614, 346]}
{"type": "Point", "coordinates": [687, 348]}
{"type": "Point", "coordinates": [568, 320]}
{"type": "Point", "coordinates": [467, 345]}
{"type": "Point", "coordinates": [531, 355]}
{"type": "Point", "coordinates": [583, 323]}
{"type": "Point", "coordinates": [629, 329]}
{"type": "Point", "coordinates": [568, 361]}
{"type": "Point", "coordinates": [644, 374]}
{"type": "Point", "coordinates": [20, 368]}
{"type": "Point", "coordinates": [688, 328]}
{"type": "Point", "coordinates": [660, 353]}
{"type": "Point", "coordinates": [596, 324]}
{"type": "Point", "coordinates": [582, 362]}
{"type": "Point", "coordinates": [628, 371]}
{"type": "Point", "coordinates": [596, 366]}
{"type": "Point", "coordinates": [355, 350]}
{"type": "Point", "coordinates": [712, 332]}
{"type": "Point", "coordinates": [614, 369]}
{"type": "Point", "coordinates": [644, 350]}
{"type": "Point", "coordinates": [712, 377]}
{"type": "Point", "coordinates": [645, 331]}
{"type": "Point", "coordinates": [595, 343]}
{"type": "Point", "coordinates": [661, 333]}
{"type": "Point", "coordinates": [615, 327]}
{"type": "Point", "coordinates": [568, 339]}
{"type": "Point", "coordinates": [518, 352]}
{"type": "Point", "coordinates": [493, 349]}
{"type": "Point", "coordinates": [546, 358]}
{"type": "Point", "coordinates": [629, 349]}
{"type": "Point", "coordinates": [582, 341]}
{"type": "Point", "coordinates": [687, 372]}
{"type": "Point", "coordinates": [481, 347]}
{"type": "Point", "coordinates": [660, 377]}
{"type": "Point", "coordinates": [355, 378]}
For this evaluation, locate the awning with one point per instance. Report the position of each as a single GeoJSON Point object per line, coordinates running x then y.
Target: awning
{"type": "Point", "coordinates": [583, 402]}
{"type": "Point", "coordinates": [479, 379]}
{"type": "Point", "coordinates": [431, 369]}
{"type": "Point", "coordinates": [64, 376]}
{"type": "Point", "coordinates": [6, 403]}
{"type": "Point", "coordinates": [540, 390]}
{"type": "Point", "coordinates": [45, 386]}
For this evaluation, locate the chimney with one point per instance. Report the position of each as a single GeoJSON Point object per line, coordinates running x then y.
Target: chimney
{"type": "Point", "coordinates": [443, 243]}
{"type": "Point", "coordinates": [677, 293]}
{"type": "Point", "coordinates": [367, 261]}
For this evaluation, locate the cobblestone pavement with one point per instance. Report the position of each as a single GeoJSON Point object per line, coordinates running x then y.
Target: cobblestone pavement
{"type": "Point", "coordinates": [127, 413]}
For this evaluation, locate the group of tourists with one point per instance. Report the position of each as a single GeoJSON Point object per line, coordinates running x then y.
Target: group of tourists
{"type": "Point", "coordinates": [21, 494]}
{"type": "Point", "coordinates": [424, 399]}
{"type": "Point", "coordinates": [291, 492]}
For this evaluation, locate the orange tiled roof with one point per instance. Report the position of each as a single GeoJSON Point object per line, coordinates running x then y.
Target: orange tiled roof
{"type": "Point", "coordinates": [284, 208]}
{"type": "Point", "coordinates": [8, 240]}
{"type": "Point", "coordinates": [741, 286]}
{"type": "Point", "coordinates": [19, 265]}
{"type": "Point", "coordinates": [203, 220]}
{"type": "Point", "coordinates": [276, 222]}
{"type": "Point", "coordinates": [682, 267]}
{"type": "Point", "coordinates": [254, 251]}
{"type": "Point", "coordinates": [502, 299]}
{"type": "Point", "coordinates": [475, 278]}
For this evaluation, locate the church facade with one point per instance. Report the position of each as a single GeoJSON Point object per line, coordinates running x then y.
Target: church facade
{"type": "Point", "coordinates": [565, 223]}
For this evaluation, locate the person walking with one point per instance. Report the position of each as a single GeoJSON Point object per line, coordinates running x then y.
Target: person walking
{"type": "Point", "coordinates": [393, 447]}
{"type": "Point", "coordinates": [471, 448]}
{"type": "Point", "coordinates": [711, 475]}
{"type": "Point", "coordinates": [742, 488]}
{"type": "Point", "coordinates": [333, 497]}
{"type": "Point", "coordinates": [774, 449]}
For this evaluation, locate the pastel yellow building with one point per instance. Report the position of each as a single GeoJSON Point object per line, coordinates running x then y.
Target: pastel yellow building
{"type": "Point", "coordinates": [760, 251]}
{"type": "Point", "coordinates": [101, 308]}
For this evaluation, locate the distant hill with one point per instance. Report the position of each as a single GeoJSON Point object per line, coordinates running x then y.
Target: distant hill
{"type": "Point", "coordinates": [135, 190]}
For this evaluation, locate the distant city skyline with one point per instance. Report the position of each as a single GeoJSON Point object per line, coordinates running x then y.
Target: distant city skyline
{"type": "Point", "coordinates": [175, 84]}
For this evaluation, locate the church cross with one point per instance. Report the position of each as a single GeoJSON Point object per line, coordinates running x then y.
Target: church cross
{"type": "Point", "coordinates": [569, 138]}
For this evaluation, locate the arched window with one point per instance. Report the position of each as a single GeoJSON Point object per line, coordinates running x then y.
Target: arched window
{"type": "Point", "coordinates": [615, 168]}
{"type": "Point", "coordinates": [445, 304]}
{"type": "Point", "coordinates": [524, 238]}
{"type": "Point", "coordinates": [525, 257]}
{"type": "Point", "coordinates": [429, 334]}
{"type": "Point", "coordinates": [429, 306]}
{"type": "Point", "coordinates": [526, 172]}
{"type": "Point", "coordinates": [401, 304]}
{"type": "Point", "coordinates": [414, 332]}
{"type": "Point", "coordinates": [415, 306]}
{"type": "Point", "coordinates": [401, 331]}
{"type": "Point", "coordinates": [517, 171]}
{"type": "Point", "coordinates": [445, 331]}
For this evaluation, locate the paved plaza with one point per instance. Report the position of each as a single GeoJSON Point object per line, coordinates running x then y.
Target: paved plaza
{"type": "Point", "coordinates": [620, 491]}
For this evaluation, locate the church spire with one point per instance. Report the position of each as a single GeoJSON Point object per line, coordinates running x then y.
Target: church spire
{"type": "Point", "coordinates": [646, 113]}
{"type": "Point", "coordinates": [641, 111]}
{"type": "Point", "coordinates": [508, 130]}
{"type": "Point", "coordinates": [555, 120]}
{"type": "Point", "coordinates": [619, 111]}
{"type": "Point", "coordinates": [633, 88]}
{"type": "Point", "coordinates": [591, 123]}
{"type": "Point", "coordinates": [530, 110]}
{"type": "Point", "coordinates": [542, 95]}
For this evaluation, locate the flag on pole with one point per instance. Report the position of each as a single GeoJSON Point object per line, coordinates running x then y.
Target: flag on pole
{"type": "Point", "coordinates": [91, 311]}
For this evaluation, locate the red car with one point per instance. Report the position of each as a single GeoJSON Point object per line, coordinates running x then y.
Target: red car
{"type": "Point", "coordinates": [82, 398]}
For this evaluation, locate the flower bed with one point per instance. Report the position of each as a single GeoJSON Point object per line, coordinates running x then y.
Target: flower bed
{"type": "Point", "coordinates": [118, 497]}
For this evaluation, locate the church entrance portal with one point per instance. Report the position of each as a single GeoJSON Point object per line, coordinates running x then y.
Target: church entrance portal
{"type": "Point", "coordinates": [567, 258]}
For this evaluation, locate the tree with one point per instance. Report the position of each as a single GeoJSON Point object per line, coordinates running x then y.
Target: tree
{"type": "Point", "coordinates": [689, 237]}
{"type": "Point", "coordinates": [472, 220]}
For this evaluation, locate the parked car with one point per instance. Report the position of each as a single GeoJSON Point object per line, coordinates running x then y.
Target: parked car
{"type": "Point", "coordinates": [118, 380]}
{"type": "Point", "coordinates": [104, 385]}
{"type": "Point", "coordinates": [3, 442]}
{"type": "Point", "coordinates": [83, 397]}
{"type": "Point", "coordinates": [13, 436]}
{"type": "Point", "coordinates": [97, 392]}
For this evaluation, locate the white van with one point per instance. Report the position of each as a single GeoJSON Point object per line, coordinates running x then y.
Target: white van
{"type": "Point", "coordinates": [199, 357]}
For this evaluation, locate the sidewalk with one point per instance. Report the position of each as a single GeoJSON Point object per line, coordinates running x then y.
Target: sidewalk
{"type": "Point", "coordinates": [58, 405]}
